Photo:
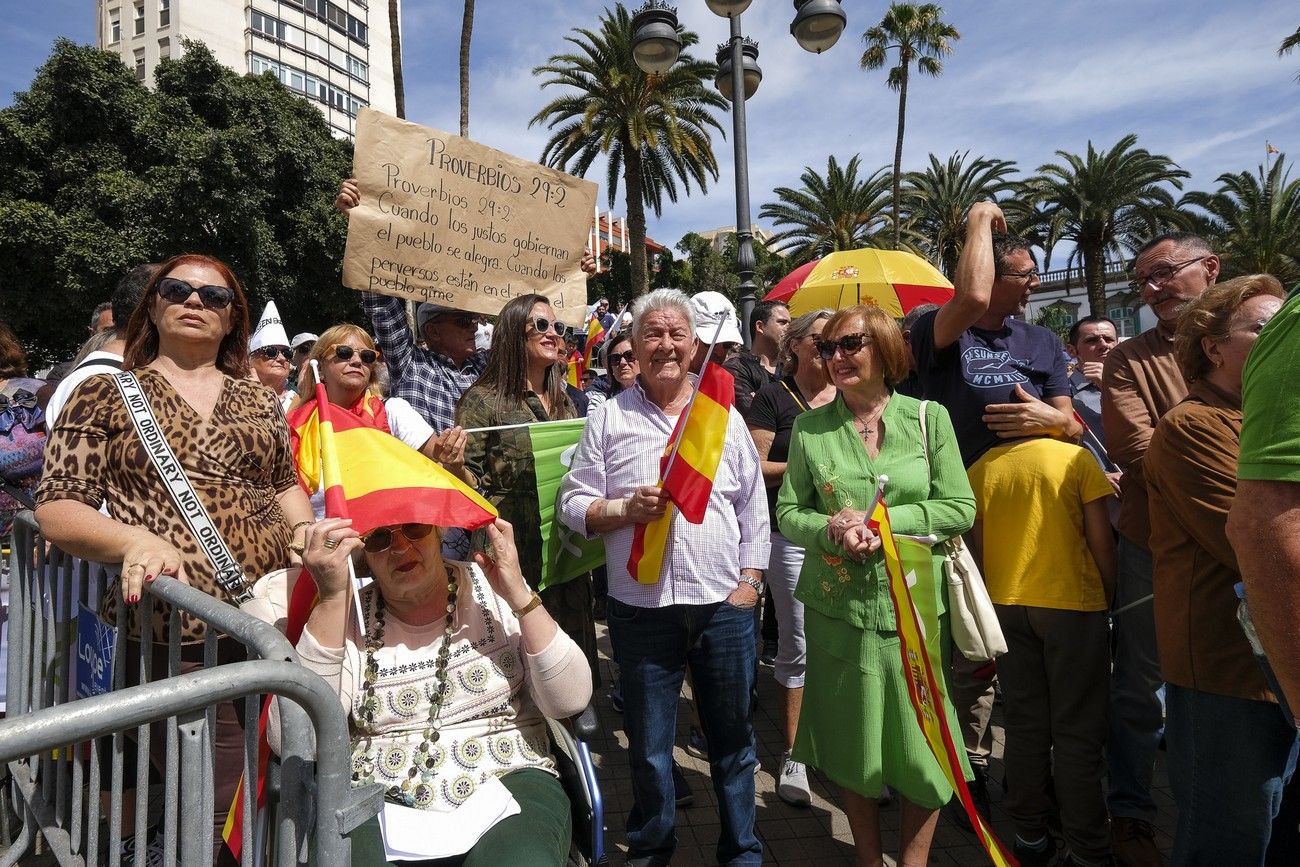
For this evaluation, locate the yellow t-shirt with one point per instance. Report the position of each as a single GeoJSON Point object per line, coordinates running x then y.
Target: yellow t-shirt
{"type": "Point", "coordinates": [1029, 498]}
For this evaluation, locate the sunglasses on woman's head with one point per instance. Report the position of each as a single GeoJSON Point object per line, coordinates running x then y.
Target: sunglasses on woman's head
{"type": "Point", "coordinates": [343, 352]}
{"type": "Point", "coordinates": [381, 538]}
{"type": "Point", "coordinates": [541, 326]}
{"type": "Point", "coordinates": [178, 292]}
{"type": "Point", "coordinates": [270, 352]}
{"type": "Point", "coordinates": [627, 357]}
{"type": "Point", "coordinates": [849, 344]}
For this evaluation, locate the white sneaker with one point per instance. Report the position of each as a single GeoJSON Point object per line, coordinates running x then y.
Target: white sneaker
{"type": "Point", "coordinates": [792, 785]}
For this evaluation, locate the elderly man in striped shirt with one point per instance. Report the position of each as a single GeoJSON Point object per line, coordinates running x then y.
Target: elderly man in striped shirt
{"type": "Point", "coordinates": [701, 610]}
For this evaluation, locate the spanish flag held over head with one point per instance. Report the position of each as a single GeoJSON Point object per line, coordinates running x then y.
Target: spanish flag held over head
{"type": "Point", "coordinates": [687, 468]}
{"type": "Point", "coordinates": [376, 480]}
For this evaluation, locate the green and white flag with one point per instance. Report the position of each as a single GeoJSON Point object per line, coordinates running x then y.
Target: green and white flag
{"type": "Point", "coordinates": [565, 554]}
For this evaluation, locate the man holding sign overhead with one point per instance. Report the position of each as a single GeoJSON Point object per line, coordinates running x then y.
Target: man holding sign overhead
{"type": "Point", "coordinates": [685, 568]}
{"type": "Point", "coordinates": [461, 229]}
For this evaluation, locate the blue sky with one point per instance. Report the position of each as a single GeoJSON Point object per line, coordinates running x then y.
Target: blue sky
{"type": "Point", "coordinates": [1199, 81]}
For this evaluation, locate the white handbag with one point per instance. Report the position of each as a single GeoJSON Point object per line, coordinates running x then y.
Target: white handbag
{"type": "Point", "coordinates": [975, 628]}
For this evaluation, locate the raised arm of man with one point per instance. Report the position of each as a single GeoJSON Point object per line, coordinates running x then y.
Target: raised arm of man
{"type": "Point", "coordinates": [973, 286]}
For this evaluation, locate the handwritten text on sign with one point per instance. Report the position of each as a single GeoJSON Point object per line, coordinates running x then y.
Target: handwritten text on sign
{"type": "Point", "coordinates": [446, 220]}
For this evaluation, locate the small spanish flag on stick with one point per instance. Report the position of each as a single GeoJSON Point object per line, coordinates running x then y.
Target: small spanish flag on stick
{"type": "Point", "coordinates": [382, 482]}
{"type": "Point", "coordinates": [923, 685]}
{"type": "Point", "coordinates": [687, 468]}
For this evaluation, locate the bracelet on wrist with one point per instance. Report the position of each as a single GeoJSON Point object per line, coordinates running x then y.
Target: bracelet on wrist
{"type": "Point", "coordinates": [752, 582]}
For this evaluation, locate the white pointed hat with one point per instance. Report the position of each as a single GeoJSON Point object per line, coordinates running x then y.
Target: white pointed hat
{"type": "Point", "coordinates": [270, 330]}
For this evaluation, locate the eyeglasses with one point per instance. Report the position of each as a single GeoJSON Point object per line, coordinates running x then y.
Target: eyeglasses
{"type": "Point", "coordinates": [1160, 274]}
{"type": "Point", "coordinates": [542, 325]}
{"type": "Point", "coordinates": [380, 539]}
{"type": "Point", "coordinates": [269, 353]}
{"type": "Point", "coordinates": [622, 357]}
{"type": "Point", "coordinates": [304, 348]}
{"type": "Point", "coordinates": [849, 344]}
{"type": "Point", "coordinates": [343, 352]}
{"type": "Point", "coordinates": [463, 320]}
{"type": "Point", "coordinates": [178, 292]}
{"type": "Point", "coordinates": [1031, 274]}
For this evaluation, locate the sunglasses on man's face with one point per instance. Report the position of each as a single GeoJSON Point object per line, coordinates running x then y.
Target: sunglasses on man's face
{"type": "Point", "coordinates": [380, 539]}
{"type": "Point", "coordinates": [269, 353]}
{"type": "Point", "coordinates": [627, 357]}
{"type": "Point", "coordinates": [178, 292]}
{"type": "Point", "coordinates": [849, 344]}
{"type": "Point", "coordinates": [542, 325]}
{"type": "Point", "coordinates": [461, 320]}
{"type": "Point", "coordinates": [343, 352]}
{"type": "Point", "coordinates": [304, 348]}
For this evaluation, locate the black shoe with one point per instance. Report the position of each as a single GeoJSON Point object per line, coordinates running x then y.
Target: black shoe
{"type": "Point", "coordinates": [681, 788]}
{"type": "Point", "coordinates": [616, 696]}
{"type": "Point", "coordinates": [1030, 857]}
{"type": "Point", "coordinates": [768, 656]}
{"type": "Point", "coordinates": [979, 794]}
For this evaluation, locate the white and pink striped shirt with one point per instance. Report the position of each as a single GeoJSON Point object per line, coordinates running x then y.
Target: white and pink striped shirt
{"type": "Point", "coordinates": [619, 452]}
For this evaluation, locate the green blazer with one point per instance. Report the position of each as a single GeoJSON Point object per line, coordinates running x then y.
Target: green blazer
{"type": "Point", "coordinates": [829, 469]}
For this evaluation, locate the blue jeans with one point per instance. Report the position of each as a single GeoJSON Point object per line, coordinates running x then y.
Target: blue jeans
{"type": "Point", "coordinates": [1136, 687]}
{"type": "Point", "coordinates": [652, 647]}
{"type": "Point", "coordinates": [1229, 760]}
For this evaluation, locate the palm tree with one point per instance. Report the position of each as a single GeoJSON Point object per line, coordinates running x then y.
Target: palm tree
{"type": "Point", "coordinates": [395, 45]}
{"type": "Point", "coordinates": [918, 34]}
{"type": "Point", "coordinates": [1288, 44]}
{"type": "Point", "coordinates": [1107, 203]}
{"type": "Point", "coordinates": [1254, 218]}
{"type": "Point", "coordinates": [937, 199]}
{"type": "Point", "coordinates": [653, 128]}
{"type": "Point", "coordinates": [835, 212]}
{"type": "Point", "coordinates": [466, 30]}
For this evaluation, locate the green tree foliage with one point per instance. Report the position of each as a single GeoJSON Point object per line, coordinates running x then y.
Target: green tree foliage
{"type": "Point", "coordinates": [1288, 45]}
{"type": "Point", "coordinates": [919, 34]}
{"type": "Point", "coordinates": [936, 201]}
{"type": "Point", "coordinates": [654, 129]}
{"type": "Point", "coordinates": [1107, 203]}
{"type": "Point", "coordinates": [1254, 221]}
{"type": "Point", "coordinates": [837, 211]}
{"type": "Point", "coordinates": [99, 174]}
{"type": "Point", "coordinates": [1055, 319]}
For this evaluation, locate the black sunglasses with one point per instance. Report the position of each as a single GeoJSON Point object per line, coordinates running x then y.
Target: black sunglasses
{"type": "Point", "coordinates": [849, 344]}
{"type": "Point", "coordinates": [343, 352]}
{"type": "Point", "coordinates": [627, 357]}
{"type": "Point", "coordinates": [464, 320]}
{"type": "Point", "coordinates": [304, 348]}
{"type": "Point", "coordinates": [542, 325]}
{"type": "Point", "coordinates": [381, 538]}
{"type": "Point", "coordinates": [178, 292]}
{"type": "Point", "coordinates": [270, 352]}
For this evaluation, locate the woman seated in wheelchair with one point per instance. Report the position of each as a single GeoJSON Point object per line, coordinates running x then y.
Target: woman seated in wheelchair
{"type": "Point", "coordinates": [446, 684]}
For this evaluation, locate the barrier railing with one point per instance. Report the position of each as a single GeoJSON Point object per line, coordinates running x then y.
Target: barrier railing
{"type": "Point", "coordinates": [50, 740]}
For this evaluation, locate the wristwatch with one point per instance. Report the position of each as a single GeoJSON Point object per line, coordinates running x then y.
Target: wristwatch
{"type": "Point", "coordinates": [752, 582]}
{"type": "Point", "coordinates": [532, 603]}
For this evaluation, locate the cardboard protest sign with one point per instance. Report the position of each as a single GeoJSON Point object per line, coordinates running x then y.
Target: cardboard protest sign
{"type": "Point", "coordinates": [447, 220]}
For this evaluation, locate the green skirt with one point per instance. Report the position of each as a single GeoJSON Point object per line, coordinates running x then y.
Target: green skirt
{"type": "Point", "coordinates": [856, 722]}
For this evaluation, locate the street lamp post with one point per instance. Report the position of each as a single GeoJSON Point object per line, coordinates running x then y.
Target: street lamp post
{"type": "Point", "coordinates": [817, 25]}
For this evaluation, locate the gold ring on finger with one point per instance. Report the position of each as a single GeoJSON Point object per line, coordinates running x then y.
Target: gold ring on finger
{"type": "Point", "coordinates": [331, 543]}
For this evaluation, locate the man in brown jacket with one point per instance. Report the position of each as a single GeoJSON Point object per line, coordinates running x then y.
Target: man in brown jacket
{"type": "Point", "coordinates": [1141, 383]}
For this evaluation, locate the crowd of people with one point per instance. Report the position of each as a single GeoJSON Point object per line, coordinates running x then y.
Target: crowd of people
{"type": "Point", "coordinates": [1095, 482]}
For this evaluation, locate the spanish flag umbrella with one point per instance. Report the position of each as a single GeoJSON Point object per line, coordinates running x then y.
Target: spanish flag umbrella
{"type": "Point", "coordinates": [893, 280]}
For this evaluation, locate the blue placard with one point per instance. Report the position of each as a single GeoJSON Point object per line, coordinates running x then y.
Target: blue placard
{"type": "Point", "coordinates": [95, 643]}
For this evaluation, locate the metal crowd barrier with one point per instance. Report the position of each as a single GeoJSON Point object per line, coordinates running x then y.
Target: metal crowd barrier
{"type": "Point", "coordinates": [51, 738]}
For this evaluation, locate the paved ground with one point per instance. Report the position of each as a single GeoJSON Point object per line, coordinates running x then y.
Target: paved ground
{"type": "Point", "coordinates": [818, 835]}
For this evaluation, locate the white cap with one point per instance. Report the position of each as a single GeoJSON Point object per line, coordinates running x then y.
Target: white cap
{"type": "Point", "coordinates": [270, 330]}
{"type": "Point", "coordinates": [304, 337]}
{"type": "Point", "coordinates": [483, 337]}
{"type": "Point", "coordinates": [711, 308]}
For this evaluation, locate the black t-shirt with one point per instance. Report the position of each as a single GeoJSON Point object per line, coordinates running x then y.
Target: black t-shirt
{"type": "Point", "coordinates": [984, 367]}
{"type": "Point", "coordinates": [774, 408]}
{"type": "Point", "coordinates": [750, 376]}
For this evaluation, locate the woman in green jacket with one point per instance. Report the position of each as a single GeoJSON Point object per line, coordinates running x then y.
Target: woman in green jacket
{"type": "Point", "coordinates": [837, 454]}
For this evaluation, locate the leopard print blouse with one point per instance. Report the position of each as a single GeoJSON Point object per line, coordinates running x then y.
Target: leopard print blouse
{"type": "Point", "coordinates": [238, 461]}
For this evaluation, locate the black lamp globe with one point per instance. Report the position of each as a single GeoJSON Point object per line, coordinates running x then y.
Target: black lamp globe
{"type": "Point", "coordinates": [655, 43]}
{"type": "Point", "coordinates": [753, 75]}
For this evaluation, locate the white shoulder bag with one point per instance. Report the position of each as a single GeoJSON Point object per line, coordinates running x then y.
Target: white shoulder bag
{"type": "Point", "coordinates": [975, 628]}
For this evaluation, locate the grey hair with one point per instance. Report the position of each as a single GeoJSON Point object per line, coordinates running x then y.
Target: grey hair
{"type": "Point", "coordinates": [916, 313]}
{"type": "Point", "coordinates": [662, 299]}
{"type": "Point", "coordinates": [798, 329]}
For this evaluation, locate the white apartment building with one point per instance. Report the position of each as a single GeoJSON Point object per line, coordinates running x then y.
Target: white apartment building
{"type": "Point", "coordinates": [335, 53]}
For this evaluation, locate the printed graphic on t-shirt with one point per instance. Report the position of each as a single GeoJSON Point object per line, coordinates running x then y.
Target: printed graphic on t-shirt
{"type": "Point", "coordinates": [989, 368]}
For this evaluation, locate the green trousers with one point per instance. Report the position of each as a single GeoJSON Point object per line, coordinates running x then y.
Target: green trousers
{"type": "Point", "coordinates": [538, 837]}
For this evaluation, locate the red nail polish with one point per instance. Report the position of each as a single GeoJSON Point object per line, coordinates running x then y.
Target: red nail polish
{"type": "Point", "coordinates": [148, 577]}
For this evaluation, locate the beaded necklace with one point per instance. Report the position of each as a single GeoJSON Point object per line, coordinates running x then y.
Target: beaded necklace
{"type": "Point", "coordinates": [409, 792]}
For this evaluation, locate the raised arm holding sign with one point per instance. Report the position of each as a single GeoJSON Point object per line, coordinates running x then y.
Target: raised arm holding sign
{"type": "Point", "coordinates": [444, 220]}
